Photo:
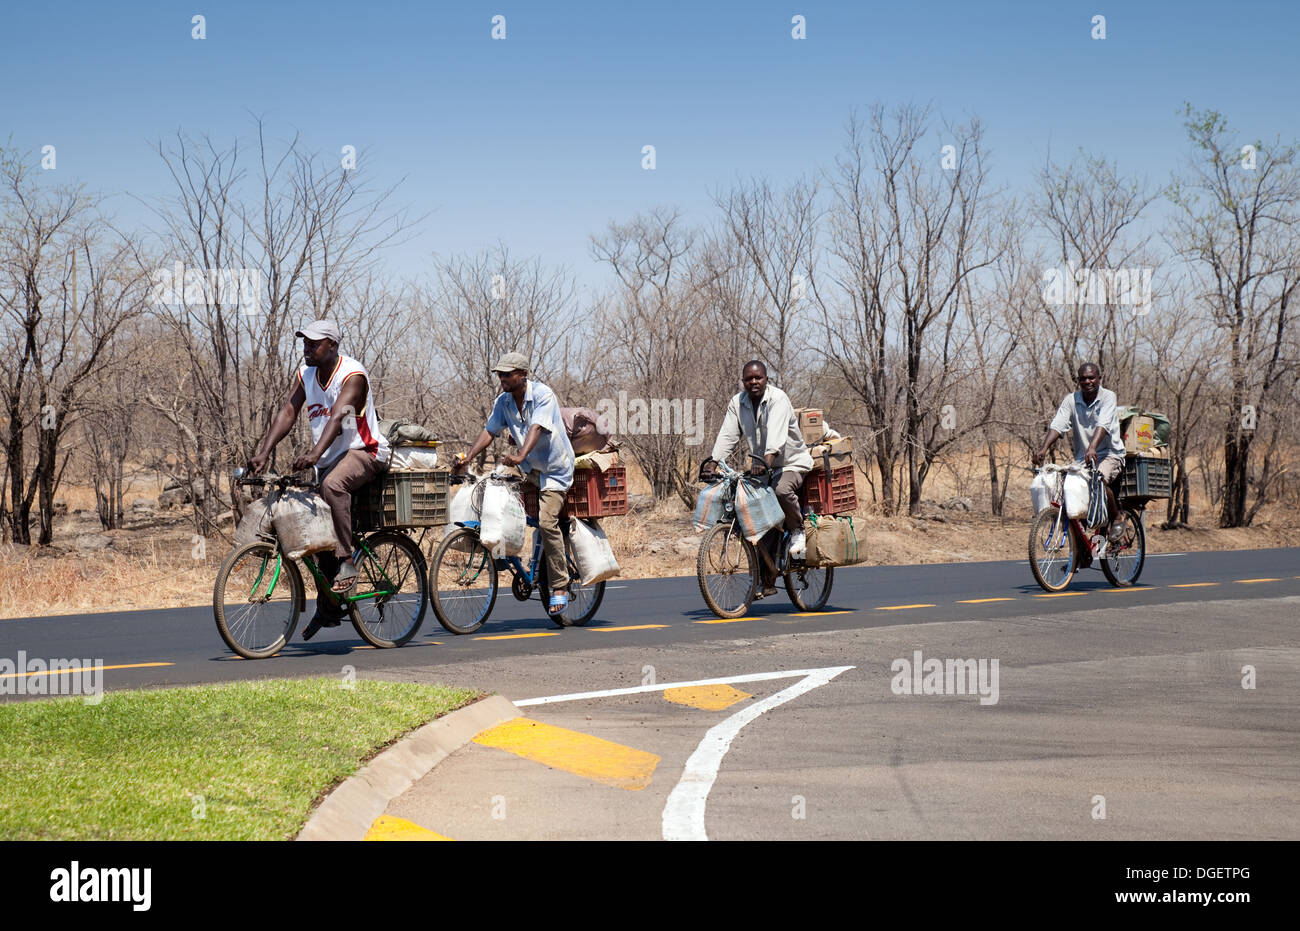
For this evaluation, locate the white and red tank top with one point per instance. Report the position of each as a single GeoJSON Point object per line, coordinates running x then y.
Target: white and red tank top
{"type": "Point", "coordinates": [360, 432]}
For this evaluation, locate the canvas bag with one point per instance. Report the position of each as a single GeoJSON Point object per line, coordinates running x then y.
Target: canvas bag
{"type": "Point", "coordinates": [256, 524]}
{"type": "Point", "coordinates": [461, 508]}
{"type": "Point", "coordinates": [833, 541]}
{"type": "Point", "coordinates": [582, 424]}
{"type": "Point", "coordinates": [757, 508]}
{"type": "Point", "coordinates": [303, 523]}
{"type": "Point", "coordinates": [591, 552]}
{"type": "Point", "coordinates": [503, 524]}
{"type": "Point", "coordinates": [711, 505]}
{"type": "Point", "coordinates": [1041, 490]}
{"type": "Point", "coordinates": [1076, 496]}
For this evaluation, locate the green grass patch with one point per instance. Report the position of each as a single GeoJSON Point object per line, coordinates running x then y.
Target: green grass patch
{"type": "Point", "coordinates": [243, 761]}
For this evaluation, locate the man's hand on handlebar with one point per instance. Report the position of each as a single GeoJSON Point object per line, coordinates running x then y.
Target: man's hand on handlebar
{"type": "Point", "coordinates": [305, 461]}
{"type": "Point", "coordinates": [257, 465]}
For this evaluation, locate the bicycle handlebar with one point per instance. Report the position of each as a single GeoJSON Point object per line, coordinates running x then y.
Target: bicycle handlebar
{"type": "Point", "coordinates": [271, 478]}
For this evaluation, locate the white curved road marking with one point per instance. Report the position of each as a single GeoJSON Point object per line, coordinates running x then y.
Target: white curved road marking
{"type": "Point", "coordinates": [659, 687]}
{"type": "Point", "coordinates": [683, 817]}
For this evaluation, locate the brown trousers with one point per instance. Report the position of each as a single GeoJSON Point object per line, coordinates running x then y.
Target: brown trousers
{"type": "Point", "coordinates": [549, 504]}
{"type": "Point", "coordinates": [352, 470]}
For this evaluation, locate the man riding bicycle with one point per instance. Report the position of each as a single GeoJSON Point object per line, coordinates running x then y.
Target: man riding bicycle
{"type": "Point", "coordinates": [1090, 416]}
{"type": "Point", "coordinates": [764, 416]}
{"type": "Point", "coordinates": [347, 447]}
{"type": "Point", "coordinates": [531, 413]}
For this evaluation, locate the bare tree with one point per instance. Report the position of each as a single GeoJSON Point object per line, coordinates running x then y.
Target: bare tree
{"type": "Point", "coordinates": [306, 235]}
{"type": "Point", "coordinates": [66, 289]}
{"type": "Point", "coordinates": [1239, 226]}
{"type": "Point", "coordinates": [775, 235]}
{"type": "Point", "coordinates": [479, 308]}
{"type": "Point", "coordinates": [908, 234]}
{"type": "Point", "coordinates": [658, 333]}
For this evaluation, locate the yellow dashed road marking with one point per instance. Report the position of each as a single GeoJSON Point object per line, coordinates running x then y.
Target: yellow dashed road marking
{"type": "Point", "coordinates": [730, 620]}
{"type": "Point", "coordinates": [1248, 581]}
{"type": "Point", "coordinates": [901, 607]}
{"type": "Point", "coordinates": [980, 601]}
{"type": "Point", "coordinates": [818, 613]}
{"type": "Point", "coordinates": [519, 636]}
{"type": "Point", "coordinates": [62, 672]}
{"type": "Point", "coordinates": [1192, 584]}
{"type": "Point", "coordinates": [558, 747]}
{"type": "Point", "coordinates": [633, 627]}
{"type": "Point", "coordinates": [1131, 588]}
{"type": "Point", "coordinates": [387, 827]}
{"type": "Point", "coordinates": [1059, 594]}
{"type": "Point", "coordinates": [707, 697]}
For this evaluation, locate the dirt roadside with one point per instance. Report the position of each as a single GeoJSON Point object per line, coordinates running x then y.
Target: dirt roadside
{"type": "Point", "coordinates": [158, 561]}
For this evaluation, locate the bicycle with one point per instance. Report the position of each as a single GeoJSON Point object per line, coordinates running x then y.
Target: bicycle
{"type": "Point", "coordinates": [463, 579]}
{"type": "Point", "coordinates": [259, 591]}
{"type": "Point", "coordinates": [1056, 540]}
{"type": "Point", "coordinates": [728, 564]}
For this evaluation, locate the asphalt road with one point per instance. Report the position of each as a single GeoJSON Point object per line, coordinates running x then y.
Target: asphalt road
{"type": "Point", "coordinates": [1166, 711]}
{"type": "Point", "coordinates": [181, 646]}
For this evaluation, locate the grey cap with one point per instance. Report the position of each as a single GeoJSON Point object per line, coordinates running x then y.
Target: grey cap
{"type": "Point", "coordinates": [511, 361]}
{"type": "Point", "coordinates": [321, 329]}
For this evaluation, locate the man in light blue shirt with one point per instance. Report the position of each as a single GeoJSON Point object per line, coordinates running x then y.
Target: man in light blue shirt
{"type": "Point", "coordinates": [531, 413]}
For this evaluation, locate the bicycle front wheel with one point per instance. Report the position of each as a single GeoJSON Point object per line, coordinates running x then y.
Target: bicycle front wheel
{"type": "Point", "coordinates": [1123, 561]}
{"type": "Point", "coordinates": [256, 599]}
{"type": "Point", "coordinates": [462, 582]}
{"type": "Point", "coordinates": [584, 600]}
{"type": "Point", "coordinates": [727, 567]}
{"type": "Point", "coordinates": [809, 589]}
{"type": "Point", "coordinates": [1052, 554]}
{"type": "Point", "coordinates": [391, 590]}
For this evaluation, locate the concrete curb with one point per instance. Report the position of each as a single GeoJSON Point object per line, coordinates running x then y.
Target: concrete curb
{"type": "Point", "coordinates": [348, 811]}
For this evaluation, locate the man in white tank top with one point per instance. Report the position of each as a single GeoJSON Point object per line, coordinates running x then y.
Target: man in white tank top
{"type": "Point", "coordinates": [347, 445]}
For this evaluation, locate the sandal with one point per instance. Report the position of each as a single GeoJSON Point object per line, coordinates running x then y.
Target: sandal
{"type": "Point", "coordinates": [345, 579]}
{"type": "Point", "coordinates": [559, 601]}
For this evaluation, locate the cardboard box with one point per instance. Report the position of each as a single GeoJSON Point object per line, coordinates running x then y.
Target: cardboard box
{"type": "Point", "coordinates": [839, 451]}
{"type": "Point", "coordinates": [1139, 434]}
{"type": "Point", "coordinates": [810, 424]}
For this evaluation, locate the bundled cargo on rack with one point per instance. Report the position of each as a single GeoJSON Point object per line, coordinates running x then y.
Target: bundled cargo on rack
{"type": "Point", "coordinates": [833, 541]}
{"type": "Point", "coordinates": [402, 498]}
{"type": "Point", "coordinates": [599, 488]}
{"type": "Point", "coordinates": [1148, 472]}
{"type": "Point", "coordinates": [830, 487]}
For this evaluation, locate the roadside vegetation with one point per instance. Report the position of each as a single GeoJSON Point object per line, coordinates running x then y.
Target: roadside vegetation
{"type": "Point", "coordinates": [244, 761]}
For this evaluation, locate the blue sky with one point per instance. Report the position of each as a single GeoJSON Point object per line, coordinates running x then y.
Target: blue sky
{"type": "Point", "coordinates": [536, 140]}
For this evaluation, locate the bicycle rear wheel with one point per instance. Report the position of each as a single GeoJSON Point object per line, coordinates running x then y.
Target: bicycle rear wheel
{"type": "Point", "coordinates": [462, 582]}
{"type": "Point", "coordinates": [809, 589]}
{"type": "Point", "coordinates": [584, 600]}
{"type": "Point", "coordinates": [256, 599]}
{"type": "Point", "coordinates": [1123, 561]}
{"type": "Point", "coordinates": [727, 568]}
{"type": "Point", "coordinates": [1052, 555]}
{"type": "Point", "coordinates": [392, 578]}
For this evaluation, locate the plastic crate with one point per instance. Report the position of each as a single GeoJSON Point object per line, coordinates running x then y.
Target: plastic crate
{"type": "Point", "coordinates": [1146, 477]}
{"type": "Point", "coordinates": [402, 499]}
{"type": "Point", "coordinates": [594, 493]}
{"type": "Point", "coordinates": [836, 494]}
